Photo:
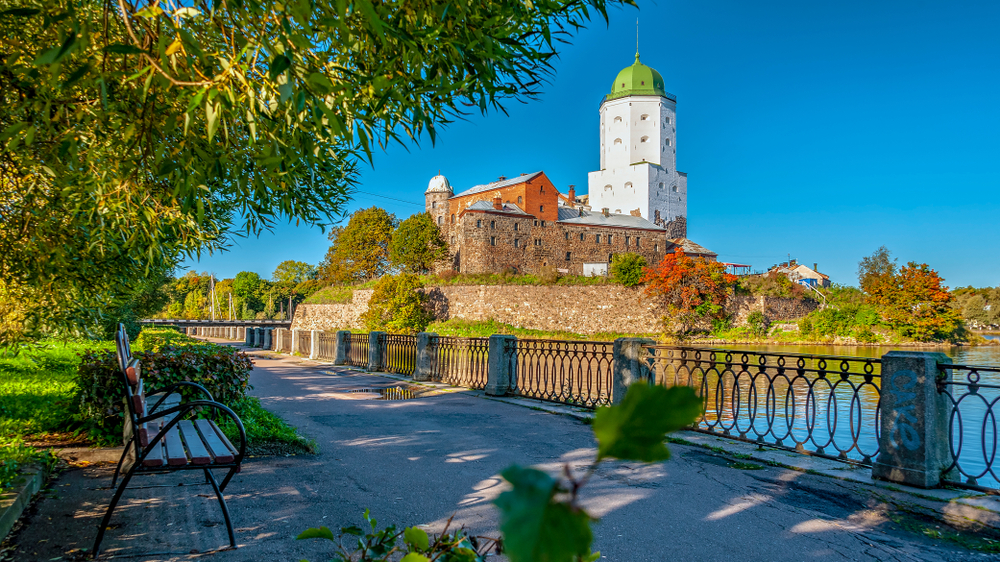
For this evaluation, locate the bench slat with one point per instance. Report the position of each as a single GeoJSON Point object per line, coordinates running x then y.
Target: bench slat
{"type": "Point", "coordinates": [175, 449]}
{"type": "Point", "coordinates": [199, 454]}
{"type": "Point", "coordinates": [139, 401]}
{"type": "Point", "coordinates": [148, 431]}
{"type": "Point", "coordinates": [221, 450]}
{"type": "Point", "coordinates": [155, 456]}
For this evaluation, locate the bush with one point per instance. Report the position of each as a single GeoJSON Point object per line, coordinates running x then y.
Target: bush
{"type": "Point", "coordinates": [758, 324]}
{"type": "Point", "coordinates": [628, 269]}
{"type": "Point", "coordinates": [223, 371]}
{"type": "Point", "coordinates": [806, 326]}
{"type": "Point", "coordinates": [548, 275]}
{"type": "Point", "coordinates": [397, 305]}
{"type": "Point", "coordinates": [773, 285]}
{"type": "Point", "coordinates": [155, 339]}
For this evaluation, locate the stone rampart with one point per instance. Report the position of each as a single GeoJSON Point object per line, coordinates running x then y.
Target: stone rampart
{"type": "Point", "coordinates": [578, 309]}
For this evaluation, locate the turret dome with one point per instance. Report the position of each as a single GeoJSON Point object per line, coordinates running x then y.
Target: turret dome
{"type": "Point", "coordinates": [439, 184]}
{"type": "Point", "coordinates": [637, 80]}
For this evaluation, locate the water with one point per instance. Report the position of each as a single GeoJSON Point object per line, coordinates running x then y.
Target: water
{"type": "Point", "coordinates": [856, 402]}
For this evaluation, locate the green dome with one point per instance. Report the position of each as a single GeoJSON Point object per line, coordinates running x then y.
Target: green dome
{"type": "Point", "coordinates": [637, 80]}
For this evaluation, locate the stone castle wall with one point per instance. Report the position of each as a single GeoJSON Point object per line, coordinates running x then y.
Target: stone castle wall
{"type": "Point", "coordinates": [582, 310]}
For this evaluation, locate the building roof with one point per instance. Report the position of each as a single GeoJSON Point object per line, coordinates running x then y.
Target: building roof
{"type": "Point", "coordinates": [689, 247]}
{"type": "Point", "coordinates": [499, 184]}
{"type": "Point", "coordinates": [638, 80]}
{"type": "Point", "coordinates": [487, 206]}
{"type": "Point", "coordinates": [569, 215]}
{"type": "Point", "coordinates": [438, 184]}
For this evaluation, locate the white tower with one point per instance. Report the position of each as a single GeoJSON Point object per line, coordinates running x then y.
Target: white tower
{"type": "Point", "coordinates": [638, 172]}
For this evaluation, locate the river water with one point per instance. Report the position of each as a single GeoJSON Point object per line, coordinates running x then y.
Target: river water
{"type": "Point", "coordinates": [829, 412]}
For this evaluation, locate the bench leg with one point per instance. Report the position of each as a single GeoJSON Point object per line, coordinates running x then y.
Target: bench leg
{"type": "Point", "coordinates": [222, 502]}
{"type": "Point", "coordinates": [118, 469]}
{"type": "Point", "coordinates": [111, 508]}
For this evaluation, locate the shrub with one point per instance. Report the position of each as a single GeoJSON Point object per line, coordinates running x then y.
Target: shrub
{"type": "Point", "coordinates": [806, 326]}
{"type": "Point", "coordinates": [758, 323]}
{"type": "Point", "coordinates": [447, 275]}
{"type": "Point", "coordinates": [628, 269]}
{"type": "Point", "coordinates": [548, 275]}
{"type": "Point", "coordinates": [223, 371]}
{"type": "Point", "coordinates": [155, 339]}
{"type": "Point", "coordinates": [397, 305]}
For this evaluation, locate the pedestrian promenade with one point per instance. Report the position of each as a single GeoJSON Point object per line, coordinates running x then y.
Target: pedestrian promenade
{"type": "Point", "coordinates": [423, 460]}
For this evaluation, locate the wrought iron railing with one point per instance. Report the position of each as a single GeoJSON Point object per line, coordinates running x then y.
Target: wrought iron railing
{"type": "Point", "coordinates": [460, 361]}
{"type": "Point", "coordinates": [571, 372]}
{"type": "Point", "coordinates": [305, 343]}
{"type": "Point", "coordinates": [399, 353]}
{"type": "Point", "coordinates": [824, 405]}
{"type": "Point", "coordinates": [972, 424]}
{"type": "Point", "coordinates": [357, 350]}
{"type": "Point", "coordinates": [326, 346]}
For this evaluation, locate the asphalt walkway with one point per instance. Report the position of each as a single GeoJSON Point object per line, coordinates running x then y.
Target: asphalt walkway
{"type": "Point", "coordinates": [424, 460]}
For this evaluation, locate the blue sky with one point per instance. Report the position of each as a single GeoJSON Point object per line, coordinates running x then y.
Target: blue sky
{"type": "Point", "coordinates": [819, 130]}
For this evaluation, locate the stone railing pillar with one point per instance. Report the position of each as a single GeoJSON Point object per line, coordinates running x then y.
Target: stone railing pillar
{"type": "Point", "coordinates": [295, 342]}
{"type": "Point", "coordinates": [375, 351]}
{"type": "Point", "coordinates": [258, 337]}
{"type": "Point", "coordinates": [341, 345]}
{"type": "Point", "coordinates": [247, 337]}
{"type": "Point", "coordinates": [913, 445]}
{"type": "Point", "coordinates": [501, 365]}
{"type": "Point", "coordinates": [268, 339]}
{"type": "Point", "coordinates": [632, 364]}
{"type": "Point", "coordinates": [314, 343]}
{"type": "Point", "coordinates": [424, 369]}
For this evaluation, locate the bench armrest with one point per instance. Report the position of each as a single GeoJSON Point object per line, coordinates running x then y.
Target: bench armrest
{"type": "Point", "coordinates": [184, 409]}
{"type": "Point", "coordinates": [170, 388]}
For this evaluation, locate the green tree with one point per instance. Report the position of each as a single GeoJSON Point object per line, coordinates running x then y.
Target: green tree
{"type": "Point", "coordinates": [247, 287]}
{"type": "Point", "coordinates": [360, 250]}
{"type": "Point", "coordinates": [417, 244]}
{"type": "Point", "coordinates": [397, 305]}
{"type": "Point", "coordinates": [291, 271]}
{"type": "Point", "coordinates": [133, 133]}
{"type": "Point", "coordinates": [628, 269]}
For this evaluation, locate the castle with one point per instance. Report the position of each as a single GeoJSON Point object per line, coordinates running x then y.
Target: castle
{"type": "Point", "coordinates": [636, 202]}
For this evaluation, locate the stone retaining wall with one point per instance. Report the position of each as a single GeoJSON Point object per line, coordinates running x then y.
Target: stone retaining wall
{"type": "Point", "coordinates": [581, 310]}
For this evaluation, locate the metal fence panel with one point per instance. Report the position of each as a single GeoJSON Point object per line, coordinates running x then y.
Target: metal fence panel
{"type": "Point", "coordinates": [327, 346]}
{"type": "Point", "coordinates": [827, 405]}
{"type": "Point", "coordinates": [460, 361]}
{"type": "Point", "coordinates": [399, 353]}
{"type": "Point", "coordinates": [357, 350]}
{"type": "Point", "coordinates": [305, 343]}
{"type": "Point", "coordinates": [571, 372]}
{"type": "Point", "coordinates": [972, 427]}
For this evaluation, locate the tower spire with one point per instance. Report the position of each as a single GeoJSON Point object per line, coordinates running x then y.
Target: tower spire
{"type": "Point", "coordinates": [636, 39]}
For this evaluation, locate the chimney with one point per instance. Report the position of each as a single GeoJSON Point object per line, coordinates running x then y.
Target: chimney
{"type": "Point", "coordinates": [816, 267]}
{"type": "Point", "coordinates": [501, 178]}
{"type": "Point", "coordinates": [571, 195]}
{"type": "Point", "coordinates": [498, 203]}
{"type": "Point", "coordinates": [606, 211]}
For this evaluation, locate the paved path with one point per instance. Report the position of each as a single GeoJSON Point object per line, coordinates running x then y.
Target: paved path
{"type": "Point", "coordinates": [421, 461]}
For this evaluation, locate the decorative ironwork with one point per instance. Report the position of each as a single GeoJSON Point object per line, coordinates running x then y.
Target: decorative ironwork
{"type": "Point", "coordinates": [571, 372]}
{"type": "Point", "coordinates": [399, 353]}
{"type": "Point", "coordinates": [460, 361]}
{"type": "Point", "coordinates": [825, 405]}
{"type": "Point", "coordinates": [305, 343]}
{"type": "Point", "coordinates": [326, 346]}
{"type": "Point", "coordinates": [357, 350]}
{"type": "Point", "coordinates": [972, 424]}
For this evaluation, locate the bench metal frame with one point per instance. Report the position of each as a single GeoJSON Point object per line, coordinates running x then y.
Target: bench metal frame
{"type": "Point", "coordinates": [176, 414]}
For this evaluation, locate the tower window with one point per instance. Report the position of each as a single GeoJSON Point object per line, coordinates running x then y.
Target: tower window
{"type": "Point", "coordinates": [644, 139]}
{"type": "Point", "coordinates": [618, 119]}
{"type": "Point", "coordinates": [493, 240]}
{"type": "Point", "coordinates": [666, 120]}
{"type": "Point", "coordinates": [673, 188]}
{"type": "Point", "coordinates": [598, 238]}
{"type": "Point", "coordinates": [541, 208]}
{"type": "Point", "coordinates": [434, 204]}
{"type": "Point", "coordinates": [515, 226]}
{"type": "Point", "coordinates": [543, 224]}
{"type": "Point", "coordinates": [618, 141]}
{"type": "Point", "coordinates": [668, 142]}
{"type": "Point", "coordinates": [517, 243]}
{"type": "Point", "coordinates": [628, 185]}
{"type": "Point", "coordinates": [567, 236]}
{"type": "Point", "coordinates": [644, 118]}
{"type": "Point", "coordinates": [493, 224]}
{"type": "Point", "coordinates": [656, 247]}
{"type": "Point", "coordinates": [567, 256]}
{"type": "Point", "coordinates": [607, 187]}
{"type": "Point", "coordinates": [581, 237]}
{"type": "Point", "coordinates": [452, 239]}
{"type": "Point", "coordinates": [440, 221]}
{"type": "Point", "coordinates": [661, 185]}
{"type": "Point", "coordinates": [636, 241]}
{"type": "Point", "coordinates": [452, 219]}
{"type": "Point", "coordinates": [609, 238]}
{"type": "Point", "coordinates": [538, 241]}
{"type": "Point", "coordinates": [519, 200]}
{"type": "Point", "coordinates": [479, 223]}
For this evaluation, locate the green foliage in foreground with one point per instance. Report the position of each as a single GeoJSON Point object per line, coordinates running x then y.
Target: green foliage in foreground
{"type": "Point", "coordinates": [628, 269]}
{"type": "Point", "coordinates": [541, 518]}
{"type": "Point", "coordinates": [397, 305]}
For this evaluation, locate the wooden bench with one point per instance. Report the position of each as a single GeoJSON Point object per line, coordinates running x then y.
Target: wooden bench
{"type": "Point", "coordinates": [168, 434]}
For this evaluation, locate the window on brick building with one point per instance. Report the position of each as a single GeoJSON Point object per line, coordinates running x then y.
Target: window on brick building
{"type": "Point", "coordinates": [434, 204]}
{"type": "Point", "coordinates": [581, 236]}
{"type": "Point", "coordinates": [493, 224]}
{"type": "Point", "coordinates": [517, 243]}
{"type": "Point", "coordinates": [543, 224]}
{"type": "Point", "coordinates": [536, 223]}
{"type": "Point", "coordinates": [453, 219]}
{"type": "Point", "coordinates": [520, 200]}
{"type": "Point", "coordinates": [598, 238]}
{"type": "Point", "coordinates": [636, 241]}
{"type": "Point", "coordinates": [452, 239]}
{"type": "Point", "coordinates": [656, 247]}
{"type": "Point", "coordinates": [515, 226]}
{"type": "Point", "coordinates": [440, 221]}
{"type": "Point", "coordinates": [627, 238]}
{"type": "Point", "coordinates": [609, 238]}
{"type": "Point", "coordinates": [567, 236]}
{"type": "Point", "coordinates": [610, 257]}
{"type": "Point", "coordinates": [567, 256]}
{"type": "Point", "coordinates": [541, 208]}
{"type": "Point", "coordinates": [538, 241]}
{"type": "Point", "coordinates": [493, 240]}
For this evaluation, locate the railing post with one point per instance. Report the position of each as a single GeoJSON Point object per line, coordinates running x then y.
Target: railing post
{"type": "Point", "coordinates": [632, 364]}
{"type": "Point", "coordinates": [375, 351]}
{"type": "Point", "coordinates": [268, 341]}
{"type": "Point", "coordinates": [340, 347]}
{"type": "Point", "coordinates": [258, 337]}
{"type": "Point", "coordinates": [913, 444]}
{"type": "Point", "coordinates": [314, 343]}
{"type": "Point", "coordinates": [247, 337]}
{"type": "Point", "coordinates": [424, 369]}
{"type": "Point", "coordinates": [295, 342]}
{"type": "Point", "coordinates": [501, 366]}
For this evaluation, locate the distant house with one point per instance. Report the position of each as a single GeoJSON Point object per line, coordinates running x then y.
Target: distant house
{"type": "Point", "coordinates": [691, 249]}
{"type": "Point", "coordinates": [802, 274]}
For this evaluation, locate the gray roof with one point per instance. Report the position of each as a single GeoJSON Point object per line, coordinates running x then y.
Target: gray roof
{"type": "Point", "coordinates": [689, 247]}
{"type": "Point", "coordinates": [498, 184]}
{"type": "Point", "coordinates": [488, 206]}
{"type": "Point", "coordinates": [568, 215]}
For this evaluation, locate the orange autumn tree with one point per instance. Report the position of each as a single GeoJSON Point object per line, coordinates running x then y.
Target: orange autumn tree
{"type": "Point", "coordinates": [689, 290]}
{"type": "Point", "coordinates": [916, 303]}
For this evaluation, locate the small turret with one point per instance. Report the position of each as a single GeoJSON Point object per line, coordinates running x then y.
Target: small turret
{"type": "Point", "coordinates": [436, 199]}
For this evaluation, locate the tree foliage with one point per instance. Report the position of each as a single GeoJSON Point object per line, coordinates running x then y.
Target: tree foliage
{"type": "Point", "coordinates": [876, 270]}
{"type": "Point", "coordinates": [398, 305]}
{"type": "Point", "coordinates": [135, 133]}
{"type": "Point", "coordinates": [360, 250]}
{"type": "Point", "coordinates": [291, 271]}
{"type": "Point", "coordinates": [628, 269]}
{"type": "Point", "coordinates": [689, 290]}
{"type": "Point", "coordinates": [417, 244]}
